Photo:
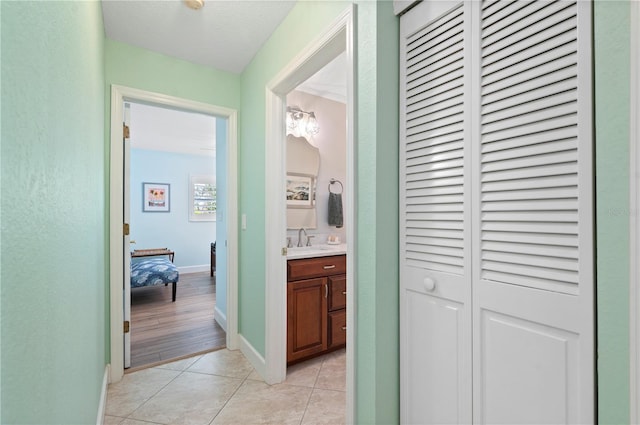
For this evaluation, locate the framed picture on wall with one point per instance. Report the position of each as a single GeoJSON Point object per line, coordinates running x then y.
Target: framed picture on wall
{"type": "Point", "coordinates": [300, 190]}
{"type": "Point", "coordinates": [203, 203]}
{"type": "Point", "coordinates": [156, 197]}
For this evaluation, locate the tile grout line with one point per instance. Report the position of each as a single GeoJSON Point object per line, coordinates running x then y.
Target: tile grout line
{"type": "Point", "coordinates": [231, 396]}
{"type": "Point", "coordinates": [152, 396]}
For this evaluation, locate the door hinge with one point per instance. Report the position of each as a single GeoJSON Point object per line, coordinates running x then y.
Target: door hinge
{"type": "Point", "coordinates": [284, 251]}
{"type": "Point", "coordinates": [125, 131]}
{"type": "Point", "coordinates": [127, 325]}
{"type": "Point", "coordinates": [125, 229]}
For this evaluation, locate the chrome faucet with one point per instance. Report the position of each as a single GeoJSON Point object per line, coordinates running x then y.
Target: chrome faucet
{"type": "Point", "coordinates": [300, 236]}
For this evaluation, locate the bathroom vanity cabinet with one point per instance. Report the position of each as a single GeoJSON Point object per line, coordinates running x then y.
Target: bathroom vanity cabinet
{"type": "Point", "coordinates": [316, 306]}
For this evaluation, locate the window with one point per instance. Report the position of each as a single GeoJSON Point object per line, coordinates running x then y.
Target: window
{"type": "Point", "coordinates": [202, 198]}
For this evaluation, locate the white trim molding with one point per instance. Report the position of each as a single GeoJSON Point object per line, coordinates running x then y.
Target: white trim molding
{"type": "Point", "coordinates": [252, 355]}
{"type": "Point", "coordinates": [634, 216]}
{"type": "Point", "coordinates": [102, 406]}
{"type": "Point", "coordinates": [120, 94]}
{"type": "Point", "coordinates": [336, 38]}
{"type": "Point", "coordinates": [221, 318]}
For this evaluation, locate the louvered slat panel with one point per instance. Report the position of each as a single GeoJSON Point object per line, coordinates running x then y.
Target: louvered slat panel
{"type": "Point", "coordinates": [526, 66]}
{"type": "Point", "coordinates": [433, 146]}
{"type": "Point", "coordinates": [426, 109]}
{"type": "Point", "coordinates": [526, 151]}
{"type": "Point", "coordinates": [534, 19]}
{"type": "Point", "coordinates": [549, 170]}
{"type": "Point", "coordinates": [434, 200]}
{"type": "Point", "coordinates": [547, 262]}
{"type": "Point", "coordinates": [550, 250]}
{"type": "Point", "coordinates": [495, 11]}
{"type": "Point", "coordinates": [549, 106]}
{"type": "Point", "coordinates": [536, 239]}
{"type": "Point", "coordinates": [532, 205]}
{"type": "Point", "coordinates": [436, 157]}
{"type": "Point", "coordinates": [417, 183]}
{"type": "Point", "coordinates": [521, 74]}
{"type": "Point", "coordinates": [528, 194]}
{"type": "Point", "coordinates": [529, 190]}
{"type": "Point", "coordinates": [434, 208]}
{"type": "Point", "coordinates": [540, 160]}
{"type": "Point", "coordinates": [562, 133]}
{"type": "Point", "coordinates": [530, 129]}
{"type": "Point", "coordinates": [431, 95]}
{"type": "Point", "coordinates": [530, 216]}
{"type": "Point", "coordinates": [521, 46]}
{"type": "Point", "coordinates": [454, 243]}
{"type": "Point", "coordinates": [530, 227]}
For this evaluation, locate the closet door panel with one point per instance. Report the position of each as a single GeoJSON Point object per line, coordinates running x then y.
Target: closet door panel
{"type": "Point", "coordinates": [533, 216]}
{"type": "Point", "coordinates": [435, 264]}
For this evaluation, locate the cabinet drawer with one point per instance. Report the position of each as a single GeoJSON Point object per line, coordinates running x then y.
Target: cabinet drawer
{"type": "Point", "coordinates": [337, 328]}
{"type": "Point", "coordinates": [337, 292]}
{"type": "Point", "coordinates": [305, 268]}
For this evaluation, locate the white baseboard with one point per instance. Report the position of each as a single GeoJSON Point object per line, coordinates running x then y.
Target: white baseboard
{"type": "Point", "coordinates": [256, 360]}
{"type": "Point", "coordinates": [194, 269]}
{"type": "Point", "coordinates": [221, 318]}
{"type": "Point", "coordinates": [103, 396]}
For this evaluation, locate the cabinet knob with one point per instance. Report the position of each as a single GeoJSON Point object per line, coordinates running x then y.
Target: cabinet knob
{"type": "Point", "coordinates": [333, 266]}
{"type": "Point", "coordinates": [344, 328]}
{"type": "Point", "coordinates": [429, 284]}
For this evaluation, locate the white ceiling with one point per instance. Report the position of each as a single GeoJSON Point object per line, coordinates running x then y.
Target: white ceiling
{"type": "Point", "coordinates": [170, 130]}
{"type": "Point", "coordinates": [224, 34]}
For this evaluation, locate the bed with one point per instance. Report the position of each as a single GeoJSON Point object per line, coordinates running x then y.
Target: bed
{"type": "Point", "coordinates": [151, 271]}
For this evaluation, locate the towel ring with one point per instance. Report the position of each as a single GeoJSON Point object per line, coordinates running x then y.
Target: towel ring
{"type": "Point", "coordinates": [332, 181]}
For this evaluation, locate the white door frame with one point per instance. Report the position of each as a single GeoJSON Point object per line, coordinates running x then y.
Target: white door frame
{"type": "Point", "coordinates": [120, 94]}
{"type": "Point", "coordinates": [337, 38]}
{"type": "Point", "coordinates": [634, 214]}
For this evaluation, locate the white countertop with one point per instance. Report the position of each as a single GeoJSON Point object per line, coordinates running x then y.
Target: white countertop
{"type": "Point", "coordinates": [320, 250]}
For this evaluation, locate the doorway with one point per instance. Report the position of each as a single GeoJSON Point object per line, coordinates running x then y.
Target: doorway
{"type": "Point", "coordinates": [118, 250]}
{"type": "Point", "coordinates": [184, 150]}
{"type": "Point", "coordinates": [336, 39]}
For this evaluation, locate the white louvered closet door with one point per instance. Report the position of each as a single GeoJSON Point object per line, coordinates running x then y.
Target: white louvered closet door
{"type": "Point", "coordinates": [435, 276]}
{"type": "Point", "coordinates": [525, 264]}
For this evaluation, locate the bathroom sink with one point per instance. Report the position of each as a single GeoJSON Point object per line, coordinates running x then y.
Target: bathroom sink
{"type": "Point", "coordinates": [309, 248]}
{"type": "Point", "coordinates": [316, 251]}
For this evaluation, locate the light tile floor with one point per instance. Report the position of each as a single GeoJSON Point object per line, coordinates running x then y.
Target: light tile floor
{"type": "Point", "coordinates": [223, 388]}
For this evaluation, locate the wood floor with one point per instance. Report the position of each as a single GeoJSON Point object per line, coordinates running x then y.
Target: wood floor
{"type": "Point", "coordinates": [162, 330]}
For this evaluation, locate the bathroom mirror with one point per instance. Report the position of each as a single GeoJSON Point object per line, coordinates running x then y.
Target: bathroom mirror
{"type": "Point", "coordinates": [303, 164]}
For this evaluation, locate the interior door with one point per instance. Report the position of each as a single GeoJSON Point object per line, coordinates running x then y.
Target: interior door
{"type": "Point", "coordinates": [126, 149]}
{"type": "Point", "coordinates": [496, 213]}
{"type": "Point", "coordinates": [435, 261]}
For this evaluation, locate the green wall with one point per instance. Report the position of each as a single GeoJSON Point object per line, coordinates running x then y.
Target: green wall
{"type": "Point", "coordinates": [377, 333]}
{"type": "Point", "coordinates": [143, 69]}
{"type": "Point", "coordinates": [377, 173]}
{"type": "Point", "coordinates": [52, 212]}
{"type": "Point", "coordinates": [611, 28]}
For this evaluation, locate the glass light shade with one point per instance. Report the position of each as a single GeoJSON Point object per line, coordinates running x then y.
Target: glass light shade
{"type": "Point", "coordinates": [312, 124]}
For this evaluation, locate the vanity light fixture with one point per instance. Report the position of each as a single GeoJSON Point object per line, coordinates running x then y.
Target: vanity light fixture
{"type": "Point", "coordinates": [299, 121]}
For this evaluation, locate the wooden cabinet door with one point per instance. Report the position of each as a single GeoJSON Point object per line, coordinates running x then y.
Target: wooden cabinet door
{"type": "Point", "coordinates": [306, 318]}
{"type": "Point", "coordinates": [337, 292]}
{"type": "Point", "coordinates": [337, 328]}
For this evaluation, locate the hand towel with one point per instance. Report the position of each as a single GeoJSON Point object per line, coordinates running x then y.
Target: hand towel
{"type": "Point", "coordinates": [335, 209]}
